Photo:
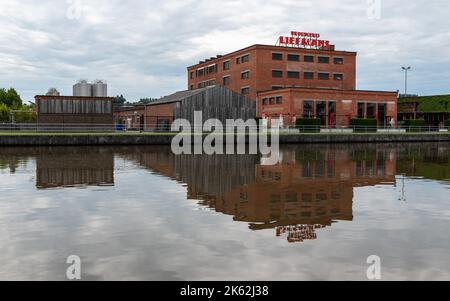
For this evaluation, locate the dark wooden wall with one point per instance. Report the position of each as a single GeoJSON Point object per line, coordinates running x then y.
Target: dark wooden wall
{"type": "Point", "coordinates": [216, 103]}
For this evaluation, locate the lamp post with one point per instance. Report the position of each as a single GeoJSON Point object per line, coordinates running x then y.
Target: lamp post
{"type": "Point", "coordinates": [406, 69]}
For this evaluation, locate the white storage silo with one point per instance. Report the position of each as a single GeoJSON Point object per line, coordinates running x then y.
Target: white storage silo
{"type": "Point", "coordinates": [82, 88]}
{"type": "Point", "coordinates": [99, 89]}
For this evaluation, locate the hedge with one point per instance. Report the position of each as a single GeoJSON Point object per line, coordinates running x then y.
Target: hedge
{"type": "Point", "coordinates": [415, 125]}
{"type": "Point", "coordinates": [363, 124]}
{"type": "Point", "coordinates": [311, 125]}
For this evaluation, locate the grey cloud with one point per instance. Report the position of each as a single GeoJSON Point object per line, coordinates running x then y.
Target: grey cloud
{"type": "Point", "coordinates": [143, 47]}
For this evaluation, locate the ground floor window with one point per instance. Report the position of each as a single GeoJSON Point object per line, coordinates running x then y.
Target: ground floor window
{"type": "Point", "coordinates": [361, 110]}
{"type": "Point", "coordinates": [371, 110]}
{"type": "Point", "coordinates": [308, 108]}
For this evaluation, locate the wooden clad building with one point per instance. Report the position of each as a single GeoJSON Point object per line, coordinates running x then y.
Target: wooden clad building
{"type": "Point", "coordinates": [76, 110]}
{"type": "Point", "coordinates": [215, 102]}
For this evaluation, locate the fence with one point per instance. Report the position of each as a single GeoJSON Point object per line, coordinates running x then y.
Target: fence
{"type": "Point", "coordinates": [160, 128]}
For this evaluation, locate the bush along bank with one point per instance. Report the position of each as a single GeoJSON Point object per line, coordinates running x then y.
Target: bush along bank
{"type": "Point", "coordinates": [415, 125]}
{"type": "Point", "coordinates": [308, 125]}
{"type": "Point", "coordinates": [363, 125]}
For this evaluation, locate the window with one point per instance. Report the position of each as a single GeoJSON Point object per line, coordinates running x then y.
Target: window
{"type": "Point", "coordinates": [265, 101]}
{"type": "Point", "coordinates": [272, 100]}
{"type": "Point", "coordinates": [309, 75]}
{"type": "Point", "coordinates": [338, 76]}
{"type": "Point", "coordinates": [309, 58]}
{"type": "Point", "coordinates": [277, 73]}
{"type": "Point", "coordinates": [245, 74]}
{"type": "Point", "coordinates": [200, 72]}
{"type": "Point", "coordinates": [206, 84]}
{"type": "Point", "coordinates": [192, 87]}
{"type": "Point", "coordinates": [277, 87]}
{"type": "Point", "coordinates": [226, 65]}
{"type": "Point", "coordinates": [293, 74]}
{"type": "Point", "coordinates": [246, 58]}
{"type": "Point", "coordinates": [324, 76]}
{"type": "Point", "coordinates": [277, 56]}
{"type": "Point", "coordinates": [211, 69]}
{"type": "Point", "coordinates": [238, 60]}
{"type": "Point", "coordinates": [361, 110]}
{"type": "Point", "coordinates": [245, 90]}
{"type": "Point", "coordinates": [371, 110]}
{"type": "Point", "coordinates": [192, 74]}
{"type": "Point", "coordinates": [279, 100]}
{"type": "Point", "coordinates": [226, 80]}
{"type": "Point", "coordinates": [339, 60]}
{"type": "Point", "coordinates": [294, 57]}
{"type": "Point", "coordinates": [308, 108]}
{"type": "Point", "coordinates": [324, 59]}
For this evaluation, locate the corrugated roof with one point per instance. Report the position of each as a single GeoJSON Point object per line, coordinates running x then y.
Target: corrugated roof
{"type": "Point", "coordinates": [178, 96]}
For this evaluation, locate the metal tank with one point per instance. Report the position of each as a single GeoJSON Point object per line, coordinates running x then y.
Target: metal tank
{"type": "Point", "coordinates": [99, 89]}
{"type": "Point", "coordinates": [53, 92]}
{"type": "Point", "coordinates": [82, 88]}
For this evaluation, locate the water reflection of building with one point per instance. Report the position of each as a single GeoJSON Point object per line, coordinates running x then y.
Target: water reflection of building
{"type": "Point", "coordinates": [60, 167]}
{"type": "Point", "coordinates": [308, 190]}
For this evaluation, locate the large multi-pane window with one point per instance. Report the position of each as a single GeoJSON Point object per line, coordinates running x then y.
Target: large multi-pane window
{"type": "Point", "coordinates": [226, 80]}
{"type": "Point", "coordinates": [339, 60]}
{"type": "Point", "coordinates": [371, 110]}
{"type": "Point", "coordinates": [226, 65]}
{"type": "Point", "coordinates": [245, 90]}
{"type": "Point", "coordinates": [361, 110]}
{"type": "Point", "coordinates": [308, 108]}
{"type": "Point", "coordinates": [321, 111]}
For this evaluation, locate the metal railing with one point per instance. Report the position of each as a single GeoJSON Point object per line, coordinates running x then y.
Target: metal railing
{"type": "Point", "coordinates": [158, 128]}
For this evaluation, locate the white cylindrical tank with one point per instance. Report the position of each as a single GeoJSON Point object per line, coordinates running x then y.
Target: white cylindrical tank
{"type": "Point", "coordinates": [82, 88]}
{"type": "Point", "coordinates": [99, 89]}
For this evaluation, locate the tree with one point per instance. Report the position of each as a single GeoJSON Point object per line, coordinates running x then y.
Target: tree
{"type": "Point", "coordinates": [4, 112]}
{"type": "Point", "coordinates": [10, 98]}
{"type": "Point", "coordinates": [145, 101]}
{"type": "Point", "coordinates": [120, 100]}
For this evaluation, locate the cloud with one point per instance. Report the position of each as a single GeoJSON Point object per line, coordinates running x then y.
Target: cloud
{"type": "Point", "coordinates": [143, 47]}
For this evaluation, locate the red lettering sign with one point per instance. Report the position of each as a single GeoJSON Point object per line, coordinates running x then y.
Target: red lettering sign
{"type": "Point", "coordinates": [304, 39]}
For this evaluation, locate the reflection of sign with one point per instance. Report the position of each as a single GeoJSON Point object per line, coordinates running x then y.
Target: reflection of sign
{"type": "Point", "coordinates": [304, 40]}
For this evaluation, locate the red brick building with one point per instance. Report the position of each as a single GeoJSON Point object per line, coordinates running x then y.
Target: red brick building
{"type": "Point", "coordinates": [333, 107]}
{"type": "Point", "coordinates": [262, 67]}
{"type": "Point", "coordinates": [296, 82]}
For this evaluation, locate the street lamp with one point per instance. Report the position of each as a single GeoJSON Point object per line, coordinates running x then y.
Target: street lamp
{"type": "Point", "coordinates": [406, 69]}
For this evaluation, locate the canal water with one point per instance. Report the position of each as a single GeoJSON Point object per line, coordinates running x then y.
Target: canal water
{"type": "Point", "coordinates": [142, 213]}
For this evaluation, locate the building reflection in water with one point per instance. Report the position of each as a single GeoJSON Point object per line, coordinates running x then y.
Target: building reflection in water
{"type": "Point", "coordinates": [309, 189]}
{"type": "Point", "coordinates": [65, 167]}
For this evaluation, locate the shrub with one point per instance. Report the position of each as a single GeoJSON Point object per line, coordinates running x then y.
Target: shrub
{"type": "Point", "coordinates": [415, 125]}
{"type": "Point", "coordinates": [364, 125]}
{"type": "Point", "coordinates": [447, 124]}
{"type": "Point", "coordinates": [308, 125]}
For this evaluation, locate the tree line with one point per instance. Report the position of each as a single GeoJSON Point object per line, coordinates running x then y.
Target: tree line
{"type": "Point", "coordinates": [11, 104]}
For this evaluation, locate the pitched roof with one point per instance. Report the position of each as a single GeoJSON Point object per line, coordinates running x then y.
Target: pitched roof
{"type": "Point", "coordinates": [178, 96]}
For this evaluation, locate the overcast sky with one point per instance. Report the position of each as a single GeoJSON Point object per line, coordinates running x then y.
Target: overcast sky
{"type": "Point", "coordinates": [142, 47]}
